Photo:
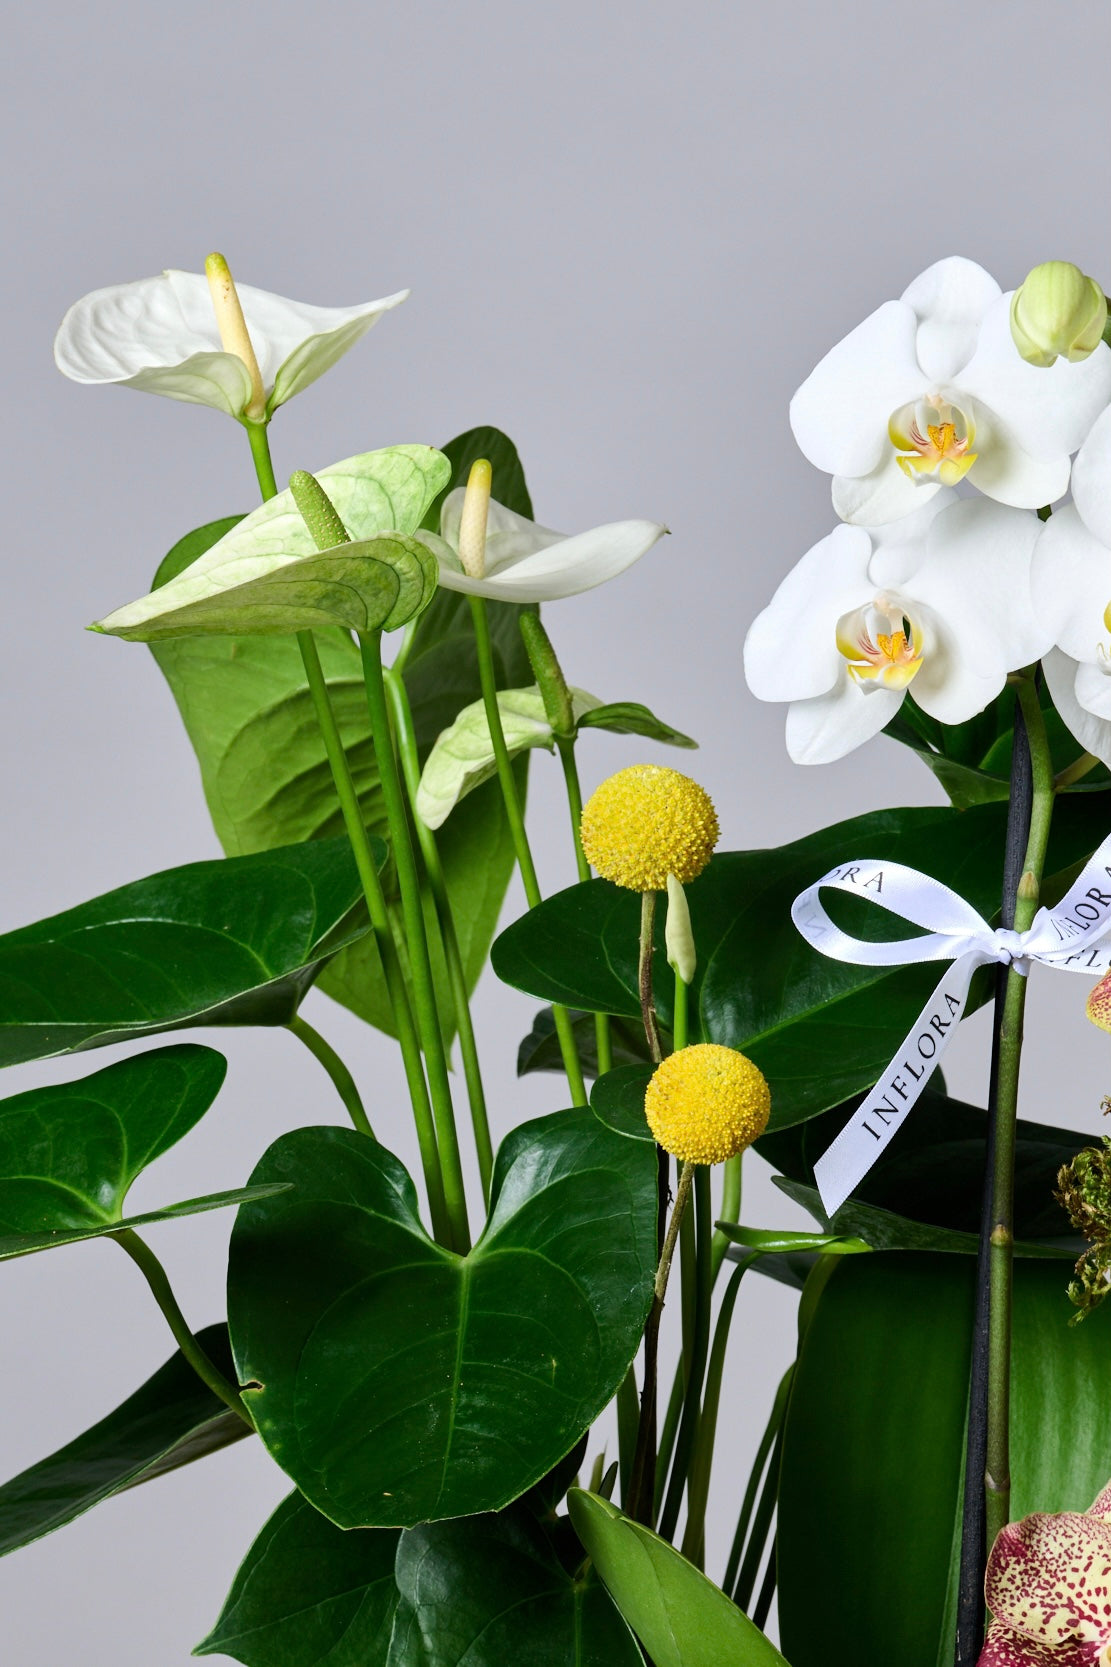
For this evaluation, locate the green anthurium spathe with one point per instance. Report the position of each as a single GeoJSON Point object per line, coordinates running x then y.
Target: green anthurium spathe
{"type": "Point", "coordinates": [462, 757]}
{"type": "Point", "coordinates": [266, 577]}
{"type": "Point", "coordinates": [161, 335]}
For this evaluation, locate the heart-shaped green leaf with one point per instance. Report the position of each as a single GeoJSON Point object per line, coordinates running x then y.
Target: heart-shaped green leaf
{"type": "Point", "coordinates": [214, 943]}
{"type": "Point", "coordinates": [820, 1030]}
{"type": "Point", "coordinates": [248, 713]}
{"type": "Point", "coordinates": [308, 1592]}
{"type": "Point", "coordinates": [629, 717]}
{"type": "Point", "coordinates": [396, 1382]}
{"type": "Point", "coordinates": [171, 1420]}
{"type": "Point", "coordinates": [681, 1618]}
{"type": "Point", "coordinates": [539, 1050]}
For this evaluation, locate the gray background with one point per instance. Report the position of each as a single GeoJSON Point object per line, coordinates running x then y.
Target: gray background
{"type": "Point", "coordinates": [630, 230]}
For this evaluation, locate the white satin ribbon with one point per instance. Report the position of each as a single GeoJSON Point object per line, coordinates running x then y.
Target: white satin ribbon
{"type": "Point", "coordinates": [1072, 936]}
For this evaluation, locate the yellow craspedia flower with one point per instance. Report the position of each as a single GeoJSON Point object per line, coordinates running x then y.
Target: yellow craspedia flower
{"type": "Point", "coordinates": [706, 1103]}
{"type": "Point", "coordinates": [647, 822]}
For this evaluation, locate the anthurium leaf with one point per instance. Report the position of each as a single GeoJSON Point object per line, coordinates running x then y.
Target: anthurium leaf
{"type": "Point", "coordinates": [396, 1382]}
{"type": "Point", "coordinates": [877, 1419]}
{"type": "Point", "coordinates": [882, 1230]}
{"type": "Point", "coordinates": [681, 1618]}
{"type": "Point", "coordinates": [462, 757]}
{"type": "Point", "coordinates": [250, 718]}
{"type": "Point", "coordinates": [539, 1050]}
{"type": "Point", "coordinates": [509, 487]}
{"type": "Point", "coordinates": [376, 584]}
{"type": "Point", "coordinates": [212, 943]}
{"type": "Point", "coordinates": [617, 1100]}
{"type": "Point", "coordinates": [492, 1589]}
{"type": "Point", "coordinates": [772, 1242]}
{"type": "Point", "coordinates": [309, 1592]}
{"type": "Point", "coordinates": [629, 717]}
{"type": "Point", "coordinates": [170, 1421]}
{"type": "Point", "coordinates": [820, 1030]}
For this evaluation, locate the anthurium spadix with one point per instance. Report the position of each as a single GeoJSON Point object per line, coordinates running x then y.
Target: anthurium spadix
{"type": "Point", "coordinates": [161, 335]}
{"type": "Point", "coordinates": [1048, 1587]}
{"type": "Point", "coordinates": [938, 602]}
{"type": "Point", "coordinates": [524, 562]}
{"type": "Point", "coordinates": [267, 578]}
{"type": "Point", "coordinates": [931, 389]}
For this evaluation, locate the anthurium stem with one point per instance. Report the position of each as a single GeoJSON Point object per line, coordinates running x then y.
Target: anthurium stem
{"type": "Point", "coordinates": [453, 957]}
{"type": "Point", "coordinates": [566, 749]}
{"type": "Point", "coordinates": [336, 1069]}
{"type": "Point", "coordinates": [485, 652]}
{"type": "Point", "coordinates": [155, 1275]}
{"type": "Point", "coordinates": [260, 452]}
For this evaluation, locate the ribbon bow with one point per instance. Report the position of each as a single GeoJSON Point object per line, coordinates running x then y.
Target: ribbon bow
{"type": "Point", "coordinates": [1071, 936]}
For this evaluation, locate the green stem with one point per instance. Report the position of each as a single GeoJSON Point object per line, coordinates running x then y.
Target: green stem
{"type": "Point", "coordinates": [453, 955]}
{"type": "Point", "coordinates": [644, 975]}
{"type": "Point", "coordinates": [761, 1528]}
{"type": "Point", "coordinates": [566, 748]}
{"type": "Point", "coordinates": [420, 961]}
{"type": "Point", "coordinates": [688, 1424]}
{"type": "Point", "coordinates": [336, 1069]}
{"type": "Point", "coordinates": [628, 1413]}
{"type": "Point", "coordinates": [730, 1209]}
{"type": "Point", "coordinates": [485, 651]}
{"type": "Point", "coordinates": [702, 1458]}
{"type": "Point", "coordinates": [383, 934]}
{"type": "Point", "coordinates": [260, 452]}
{"type": "Point", "coordinates": [1076, 771]}
{"type": "Point", "coordinates": [679, 1028]}
{"type": "Point", "coordinates": [642, 1484]}
{"type": "Point", "coordinates": [155, 1275]}
{"type": "Point", "coordinates": [997, 1478]}
{"type": "Point", "coordinates": [667, 1435]}
{"type": "Point", "coordinates": [767, 1442]}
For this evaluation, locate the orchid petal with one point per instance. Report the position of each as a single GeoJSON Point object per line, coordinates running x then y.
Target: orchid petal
{"type": "Point", "coordinates": [976, 577]}
{"type": "Point", "coordinates": [561, 569]}
{"type": "Point", "coordinates": [821, 730]}
{"type": "Point", "coordinates": [949, 300]}
{"type": "Point", "coordinates": [1004, 1647]}
{"type": "Point", "coordinates": [1091, 480]}
{"type": "Point", "coordinates": [883, 496]}
{"type": "Point", "coordinates": [1005, 471]}
{"type": "Point", "coordinates": [1092, 732]}
{"type": "Point", "coordinates": [791, 651]}
{"type": "Point", "coordinates": [462, 756]}
{"type": "Point", "coordinates": [1049, 410]}
{"type": "Point", "coordinates": [1049, 1577]}
{"type": "Point", "coordinates": [839, 416]}
{"type": "Point", "coordinates": [899, 547]}
{"type": "Point", "coordinates": [1071, 582]}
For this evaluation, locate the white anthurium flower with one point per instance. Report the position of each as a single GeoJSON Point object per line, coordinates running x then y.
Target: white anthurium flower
{"type": "Point", "coordinates": [931, 390]}
{"type": "Point", "coordinates": [161, 335]}
{"type": "Point", "coordinates": [939, 602]}
{"type": "Point", "coordinates": [1071, 583]}
{"type": "Point", "coordinates": [462, 757]}
{"type": "Point", "coordinates": [267, 576]}
{"type": "Point", "coordinates": [525, 562]}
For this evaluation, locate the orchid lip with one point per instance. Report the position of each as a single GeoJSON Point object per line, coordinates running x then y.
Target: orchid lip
{"type": "Point", "coordinates": [882, 644]}
{"type": "Point", "coordinates": [933, 439]}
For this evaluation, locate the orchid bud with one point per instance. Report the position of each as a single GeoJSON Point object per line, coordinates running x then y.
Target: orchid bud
{"type": "Point", "coordinates": [1057, 312]}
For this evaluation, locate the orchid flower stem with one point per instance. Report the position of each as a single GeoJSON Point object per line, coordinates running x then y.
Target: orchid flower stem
{"type": "Point", "coordinates": [383, 935]}
{"type": "Point", "coordinates": [155, 1275]}
{"type": "Point", "coordinates": [372, 885]}
{"type": "Point", "coordinates": [748, 1505]}
{"type": "Point", "coordinates": [484, 649]}
{"type": "Point", "coordinates": [453, 958]}
{"type": "Point", "coordinates": [336, 1069]}
{"type": "Point", "coordinates": [565, 746]}
{"type": "Point", "coordinates": [1001, 1256]}
{"type": "Point", "coordinates": [420, 961]}
{"type": "Point", "coordinates": [689, 1422]}
{"type": "Point", "coordinates": [694, 1535]}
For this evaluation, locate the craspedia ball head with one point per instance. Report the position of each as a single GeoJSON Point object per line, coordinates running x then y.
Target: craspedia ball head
{"type": "Point", "coordinates": [647, 822]}
{"type": "Point", "coordinates": [706, 1103]}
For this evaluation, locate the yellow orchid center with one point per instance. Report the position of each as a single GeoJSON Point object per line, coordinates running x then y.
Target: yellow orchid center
{"type": "Point", "coordinates": [933, 440]}
{"type": "Point", "coordinates": [883, 645]}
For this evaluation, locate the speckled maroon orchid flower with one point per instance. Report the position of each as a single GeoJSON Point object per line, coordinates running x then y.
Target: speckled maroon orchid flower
{"type": "Point", "coordinates": [1048, 1586]}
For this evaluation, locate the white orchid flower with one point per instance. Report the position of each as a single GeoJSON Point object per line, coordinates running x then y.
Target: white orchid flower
{"type": "Point", "coordinates": [1071, 582]}
{"type": "Point", "coordinates": [931, 389]}
{"type": "Point", "coordinates": [524, 562]}
{"type": "Point", "coordinates": [161, 335]}
{"type": "Point", "coordinates": [939, 602]}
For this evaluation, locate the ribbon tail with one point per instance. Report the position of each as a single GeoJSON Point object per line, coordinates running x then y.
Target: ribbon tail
{"type": "Point", "coordinates": [844, 1164]}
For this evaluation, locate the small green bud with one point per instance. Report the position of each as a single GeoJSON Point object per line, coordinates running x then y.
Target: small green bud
{"type": "Point", "coordinates": [678, 936]}
{"type": "Point", "coordinates": [1057, 312]}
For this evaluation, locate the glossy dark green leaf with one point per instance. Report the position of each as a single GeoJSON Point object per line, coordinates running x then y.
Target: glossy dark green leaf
{"type": "Point", "coordinates": [539, 1050]}
{"type": "Point", "coordinates": [492, 1590]}
{"type": "Point", "coordinates": [69, 1152]}
{"type": "Point", "coordinates": [617, 1100]}
{"type": "Point", "coordinates": [883, 1230]}
{"type": "Point", "coordinates": [820, 1030]}
{"type": "Point", "coordinates": [933, 1169]}
{"type": "Point", "coordinates": [214, 943]}
{"type": "Point", "coordinates": [629, 717]}
{"type": "Point", "coordinates": [768, 1241]}
{"type": "Point", "coordinates": [307, 1594]}
{"type": "Point", "coordinates": [397, 1382]}
{"type": "Point", "coordinates": [509, 487]}
{"type": "Point", "coordinates": [171, 1420]}
{"type": "Point", "coordinates": [869, 1511]}
{"type": "Point", "coordinates": [681, 1618]}
{"type": "Point", "coordinates": [247, 710]}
